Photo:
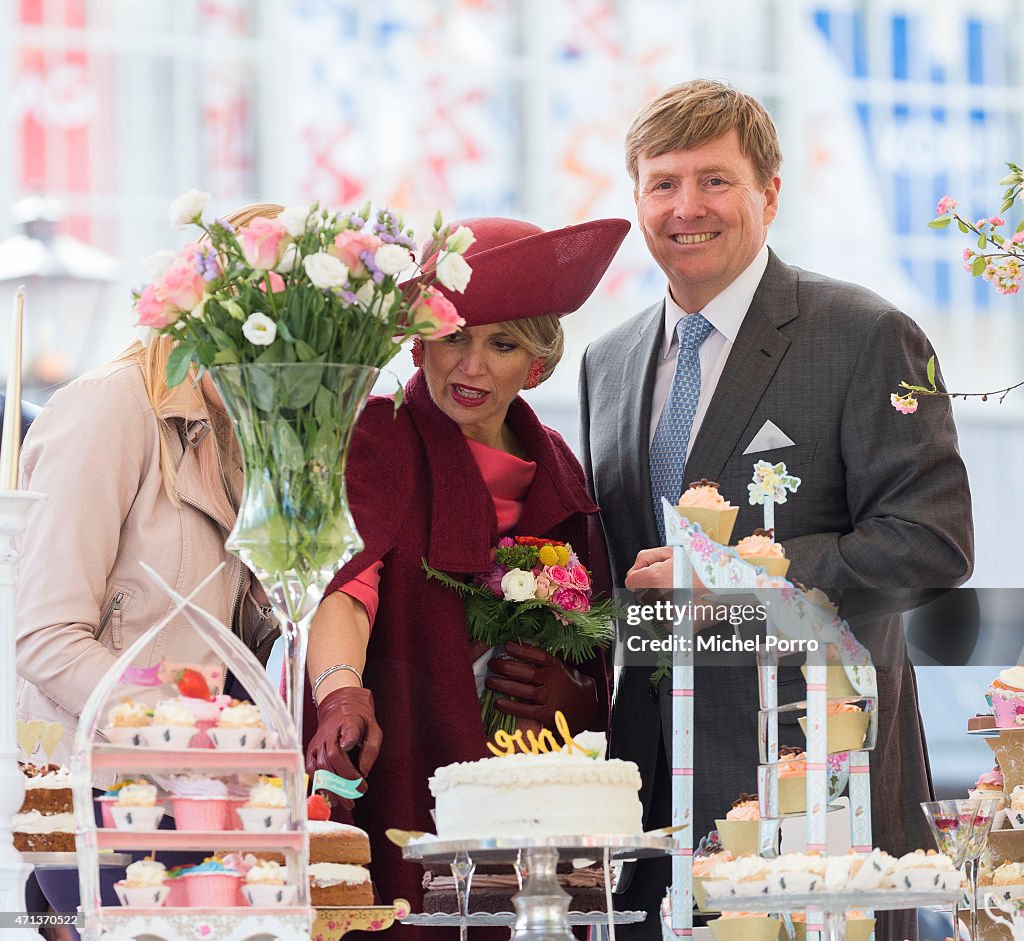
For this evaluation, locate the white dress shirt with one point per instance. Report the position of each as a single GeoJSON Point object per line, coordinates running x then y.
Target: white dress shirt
{"type": "Point", "coordinates": [725, 312]}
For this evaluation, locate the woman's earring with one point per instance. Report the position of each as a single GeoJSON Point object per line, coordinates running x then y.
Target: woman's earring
{"type": "Point", "coordinates": [533, 376]}
{"type": "Point", "coordinates": [417, 351]}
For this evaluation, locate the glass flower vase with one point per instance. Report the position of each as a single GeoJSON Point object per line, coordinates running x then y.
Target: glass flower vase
{"type": "Point", "coordinates": [294, 424]}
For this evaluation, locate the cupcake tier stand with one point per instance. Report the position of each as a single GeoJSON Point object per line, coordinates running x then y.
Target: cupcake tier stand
{"type": "Point", "coordinates": [791, 617]}
{"type": "Point", "coordinates": [542, 906]}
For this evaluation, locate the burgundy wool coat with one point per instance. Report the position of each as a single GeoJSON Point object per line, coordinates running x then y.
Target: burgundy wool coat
{"type": "Point", "coordinates": [416, 493]}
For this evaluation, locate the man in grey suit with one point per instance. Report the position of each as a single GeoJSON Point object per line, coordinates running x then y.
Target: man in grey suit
{"type": "Point", "coordinates": [793, 367]}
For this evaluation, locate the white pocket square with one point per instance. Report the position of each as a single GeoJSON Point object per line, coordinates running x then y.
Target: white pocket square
{"type": "Point", "coordinates": [770, 436]}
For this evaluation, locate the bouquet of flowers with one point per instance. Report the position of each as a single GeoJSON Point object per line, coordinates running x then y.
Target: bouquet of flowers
{"type": "Point", "coordinates": [538, 592]}
{"type": "Point", "coordinates": [307, 286]}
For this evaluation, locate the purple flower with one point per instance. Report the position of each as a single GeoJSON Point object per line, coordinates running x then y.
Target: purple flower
{"type": "Point", "coordinates": [492, 579]}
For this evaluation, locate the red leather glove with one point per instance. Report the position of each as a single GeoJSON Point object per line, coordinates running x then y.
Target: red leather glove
{"type": "Point", "coordinates": [345, 720]}
{"type": "Point", "coordinates": [545, 685]}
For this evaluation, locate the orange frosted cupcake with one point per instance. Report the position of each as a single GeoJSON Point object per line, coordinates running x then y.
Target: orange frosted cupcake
{"type": "Point", "coordinates": [703, 504]}
{"type": "Point", "coordinates": [847, 727]}
{"type": "Point", "coordinates": [740, 830]}
{"type": "Point", "coordinates": [760, 548]}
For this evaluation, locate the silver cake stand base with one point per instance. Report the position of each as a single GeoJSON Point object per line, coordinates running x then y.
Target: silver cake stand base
{"type": "Point", "coordinates": [542, 905]}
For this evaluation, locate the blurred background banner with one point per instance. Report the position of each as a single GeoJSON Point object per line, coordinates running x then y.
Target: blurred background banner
{"type": "Point", "coordinates": [111, 108]}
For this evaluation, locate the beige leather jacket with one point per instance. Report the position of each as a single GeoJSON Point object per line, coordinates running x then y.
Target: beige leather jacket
{"type": "Point", "coordinates": [82, 595]}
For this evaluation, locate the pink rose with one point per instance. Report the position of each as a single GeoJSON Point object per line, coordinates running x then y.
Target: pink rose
{"type": "Point", "coordinates": [559, 574]}
{"type": "Point", "coordinates": [580, 578]}
{"type": "Point", "coordinates": [153, 310]}
{"type": "Point", "coordinates": [435, 315]}
{"type": "Point", "coordinates": [571, 599]}
{"type": "Point", "coordinates": [181, 283]}
{"type": "Point", "coordinates": [263, 242]}
{"type": "Point", "coordinates": [276, 283]}
{"type": "Point", "coordinates": [544, 587]}
{"type": "Point", "coordinates": [349, 245]}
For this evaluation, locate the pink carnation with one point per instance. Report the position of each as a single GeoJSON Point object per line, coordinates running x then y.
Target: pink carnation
{"type": "Point", "coordinates": [349, 245]}
{"type": "Point", "coordinates": [571, 599]}
{"type": "Point", "coordinates": [153, 310]}
{"type": "Point", "coordinates": [580, 578]}
{"type": "Point", "coordinates": [559, 574]}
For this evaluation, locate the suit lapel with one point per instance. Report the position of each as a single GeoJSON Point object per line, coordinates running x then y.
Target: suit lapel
{"type": "Point", "coordinates": [754, 359]}
{"type": "Point", "coordinates": [635, 412]}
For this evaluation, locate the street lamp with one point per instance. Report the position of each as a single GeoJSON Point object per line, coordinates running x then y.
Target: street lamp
{"type": "Point", "coordinates": [65, 280]}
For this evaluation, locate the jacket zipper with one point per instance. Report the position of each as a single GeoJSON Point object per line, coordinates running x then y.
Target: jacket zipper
{"type": "Point", "coordinates": [238, 585]}
{"type": "Point", "coordinates": [113, 612]}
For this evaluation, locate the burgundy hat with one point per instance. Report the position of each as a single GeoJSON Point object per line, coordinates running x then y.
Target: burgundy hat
{"type": "Point", "coordinates": [520, 271]}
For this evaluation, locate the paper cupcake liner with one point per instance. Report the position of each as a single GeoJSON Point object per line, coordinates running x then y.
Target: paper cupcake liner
{"type": "Point", "coordinates": [136, 818]}
{"type": "Point", "coordinates": [838, 683]}
{"type": "Point", "coordinates": [133, 735]}
{"type": "Point", "coordinates": [846, 731]}
{"type": "Point", "coordinates": [212, 889]}
{"type": "Point", "coordinates": [716, 524]}
{"type": "Point", "coordinates": [177, 893]}
{"type": "Point", "coordinates": [752, 928]}
{"type": "Point", "coordinates": [150, 896]}
{"type": "Point", "coordinates": [263, 818]}
{"type": "Point", "coordinates": [268, 896]}
{"type": "Point", "coordinates": [740, 837]}
{"type": "Point", "coordinates": [200, 813]}
{"type": "Point", "coordinates": [1008, 710]}
{"type": "Point", "coordinates": [773, 565]}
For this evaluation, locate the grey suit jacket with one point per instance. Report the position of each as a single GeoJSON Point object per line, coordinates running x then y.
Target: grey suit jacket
{"type": "Point", "coordinates": [884, 505]}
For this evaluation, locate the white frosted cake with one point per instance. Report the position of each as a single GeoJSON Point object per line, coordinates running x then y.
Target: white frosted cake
{"type": "Point", "coordinates": [558, 793]}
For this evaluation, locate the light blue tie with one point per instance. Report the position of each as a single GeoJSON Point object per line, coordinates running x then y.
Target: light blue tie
{"type": "Point", "coordinates": [672, 436]}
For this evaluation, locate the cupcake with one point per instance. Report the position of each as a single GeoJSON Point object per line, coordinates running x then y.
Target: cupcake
{"type": "Point", "coordinates": [840, 871]}
{"type": "Point", "coordinates": [136, 808]}
{"type": "Point", "coordinates": [875, 872]}
{"type": "Point", "coordinates": [797, 872]}
{"type": "Point", "coordinates": [703, 504]}
{"type": "Point", "coordinates": [1008, 874]}
{"type": "Point", "coordinates": [792, 780]}
{"type": "Point", "coordinates": [177, 896]}
{"type": "Point", "coordinates": [266, 809]}
{"type": "Point", "coordinates": [143, 885]}
{"type": "Point", "coordinates": [990, 786]}
{"type": "Point", "coordinates": [126, 721]}
{"type": "Point", "coordinates": [173, 725]}
{"type": "Point", "coordinates": [199, 803]}
{"type": "Point", "coordinates": [740, 830]}
{"type": "Point", "coordinates": [704, 884]}
{"type": "Point", "coordinates": [746, 875]}
{"type": "Point", "coordinates": [744, 926]}
{"type": "Point", "coordinates": [761, 549]}
{"type": "Point", "coordinates": [1006, 696]}
{"type": "Point", "coordinates": [265, 885]}
{"type": "Point", "coordinates": [921, 870]}
{"type": "Point", "coordinates": [239, 726]}
{"type": "Point", "coordinates": [1015, 812]}
{"type": "Point", "coordinates": [847, 727]}
{"type": "Point", "coordinates": [211, 884]}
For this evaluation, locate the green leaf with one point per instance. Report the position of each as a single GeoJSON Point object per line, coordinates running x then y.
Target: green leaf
{"type": "Point", "coordinates": [263, 387]}
{"type": "Point", "coordinates": [304, 351]}
{"type": "Point", "coordinates": [978, 265]}
{"type": "Point", "coordinates": [325, 407]}
{"type": "Point", "coordinates": [1020, 226]}
{"type": "Point", "coordinates": [399, 398]}
{"type": "Point", "coordinates": [283, 331]}
{"type": "Point", "coordinates": [288, 447]}
{"type": "Point", "coordinates": [225, 358]}
{"type": "Point", "coordinates": [982, 241]}
{"type": "Point", "coordinates": [931, 371]}
{"type": "Point", "coordinates": [939, 223]}
{"type": "Point", "coordinates": [962, 226]}
{"type": "Point", "coordinates": [178, 363]}
{"type": "Point", "coordinates": [299, 386]}
{"type": "Point", "coordinates": [234, 309]}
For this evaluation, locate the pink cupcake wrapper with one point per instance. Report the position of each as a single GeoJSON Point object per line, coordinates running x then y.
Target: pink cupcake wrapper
{"type": "Point", "coordinates": [178, 896]}
{"type": "Point", "coordinates": [212, 889]}
{"type": "Point", "coordinates": [205, 813]}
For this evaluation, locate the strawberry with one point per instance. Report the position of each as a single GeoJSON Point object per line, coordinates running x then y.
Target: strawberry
{"type": "Point", "coordinates": [192, 685]}
{"type": "Point", "coordinates": [317, 808]}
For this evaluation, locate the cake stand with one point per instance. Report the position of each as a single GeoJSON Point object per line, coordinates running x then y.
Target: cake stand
{"type": "Point", "coordinates": [835, 905]}
{"type": "Point", "coordinates": [542, 905]}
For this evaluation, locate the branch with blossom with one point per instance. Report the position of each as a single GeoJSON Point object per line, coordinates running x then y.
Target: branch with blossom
{"type": "Point", "coordinates": [998, 259]}
{"type": "Point", "coordinates": [309, 285]}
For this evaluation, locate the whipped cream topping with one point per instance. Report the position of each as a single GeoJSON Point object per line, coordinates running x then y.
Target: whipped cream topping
{"type": "Point", "coordinates": [145, 873]}
{"type": "Point", "coordinates": [799, 862]}
{"type": "Point", "coordinates": [52, 779]}
{"type": "Point", "coordinates": [742, 869]}
{"type": "Point", "coordinates": [327, 874]}
{"type": "Point", "coordinates": [1013, 677]}
{"type": "Point", "coordinates": [172, 712]}
{"type": "Point", "coordinates": [137, 795]}
{"type": "Point", "coordinates": [522, 769]}
{"type": "Point", "coordinates": [35, 822]}
{"type": "Point", "coordinates": [129, 714]}
{"type": "Point", "coordinates": [242, 716]}
{"type": "Point", "coordinates": [922, 860]}
{"type": "Point", "coordinates": [196, 785]}
{"type": "Point", "coordinates": [267, 795]}
{"type": "Point", "coordinates": [761, 546]}
{"type": "Point", "coordinates": [266, 872]}
{"type": "Point", "coordinates": [704, 495]}
{"type": "Point", "coordinates": [332, 826]}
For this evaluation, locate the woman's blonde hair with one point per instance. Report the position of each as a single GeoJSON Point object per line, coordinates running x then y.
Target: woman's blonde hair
{"type": "Point", "coordinates": [539, 336]}
{"type": "Point", "coordinates": [217, 453]}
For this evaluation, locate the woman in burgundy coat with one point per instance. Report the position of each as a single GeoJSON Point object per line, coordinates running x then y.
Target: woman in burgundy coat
{"type": "Point", "coordinates": [464, 462]}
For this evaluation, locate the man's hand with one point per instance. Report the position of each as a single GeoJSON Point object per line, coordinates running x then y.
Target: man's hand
{"type": "Point", "coordinates": [650, 579]}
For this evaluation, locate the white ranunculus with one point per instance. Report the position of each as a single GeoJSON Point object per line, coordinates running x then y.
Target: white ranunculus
{"type": "Point", "coordinates": [288, 260]}
{"type": "Point", "coordinates": [453, 272]}
{"type": "Point", "coordinates": [392, 259]}
{"type": "Point", "coordinates": [293, 218]}
{"type": "Point", "coordinates": [259, 330]}
{"type": "Point", "coordinates": [157, 263]}
{"type": "Point", "coordinates": [460, 240]}
{"type": "Point", "coordinates": [187, 207]}
{"type": "Point", "coordinates": [325, 271]}
{"type": "Point", "coordinates": [518, 585]}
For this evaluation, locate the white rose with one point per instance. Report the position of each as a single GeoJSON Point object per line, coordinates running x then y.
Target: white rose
{"type": "Point", "coordinates": [460, 240]}
{"type": "Point", "coordinates": [518, 585]}
{"type": "Point", "coordinates": [293, 218]}
{"type": "Point", "coordinates": [259, 330]}
{"type": "Point", "coordinates": [392, 259]}
{"type": "Point", "coordinates": [288, 260]}
{"type": "Point", "coordinates": [188, 207]}
{"type": "Point", "coordinates": [365, 294]}
{"type": "Point", "coordinates": [453, 272]}
{"type": "Point", "coordinates": [325, 271]}
{"type": "Point", "coordinates": [157, 263]}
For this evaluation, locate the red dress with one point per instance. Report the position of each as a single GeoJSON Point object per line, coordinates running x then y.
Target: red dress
{"type": "Point", "coordinates": [417, 492]}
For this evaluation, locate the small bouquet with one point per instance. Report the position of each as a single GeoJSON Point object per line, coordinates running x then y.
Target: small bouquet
{"type": "Point", "coordinates": [538, 592]}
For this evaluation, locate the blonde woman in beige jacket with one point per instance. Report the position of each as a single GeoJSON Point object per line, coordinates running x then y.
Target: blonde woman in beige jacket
{"type": "Point", "coordinates": [132, 471]}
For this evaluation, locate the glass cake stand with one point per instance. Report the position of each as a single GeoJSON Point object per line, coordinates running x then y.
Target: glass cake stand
{"type": "Point", "coordinates": [835, 905]}
{"type": "Point", "coordinates": [542, 905]}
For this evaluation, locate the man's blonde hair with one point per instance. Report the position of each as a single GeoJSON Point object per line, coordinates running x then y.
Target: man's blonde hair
{"type": "Point", "coordinates": [692, 114]}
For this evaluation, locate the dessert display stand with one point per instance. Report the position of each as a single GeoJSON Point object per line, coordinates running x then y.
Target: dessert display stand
{"type": "Point", "coordinates": [542, 905]}
{"type": "Point", "coordinates": [92, 758]}
{"type": "Point", "coordinates": [792, 616]}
